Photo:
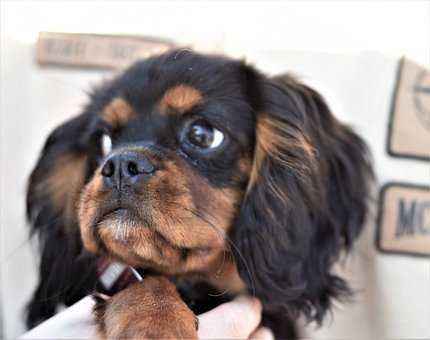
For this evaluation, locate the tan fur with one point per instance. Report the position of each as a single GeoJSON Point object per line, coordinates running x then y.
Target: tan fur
{"type": "Point", "coordinates": [64, 183]}
{"type": "Point", "coordinates": [272, 137]}
{"type": "Point", "coordinates": [245, 166]}
{"type": "Point", "coordinates": [118, 113]}
{"type": "Point", "coordinates": [180, 99]}
{"type": "Point", "coordinates": [151, 309]}
{"type": "Point", "coordinates": [225, 277]}
{"type": "Point", "coordinates": [180, 205]}
{"type": "Point", "coordinates": [87, 210]}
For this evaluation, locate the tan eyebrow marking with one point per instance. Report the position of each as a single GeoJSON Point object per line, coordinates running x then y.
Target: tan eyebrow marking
{"type": "Point", "coordinates": [118, 113]}
{"type": "Point", "coordinates": [180, 98]}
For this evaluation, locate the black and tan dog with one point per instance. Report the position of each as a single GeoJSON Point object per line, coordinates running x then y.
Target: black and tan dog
{"type": "Point", "coordinates": [209, 176]}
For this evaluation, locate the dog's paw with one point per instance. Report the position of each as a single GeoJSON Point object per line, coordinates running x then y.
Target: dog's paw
{"type": "Point", "coordinates": [150, 309]}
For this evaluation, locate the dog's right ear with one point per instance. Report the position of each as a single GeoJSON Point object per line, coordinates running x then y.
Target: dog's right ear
{"type": "Point", "coordinates": [59, 174]}
{"type": "Point", "coordinates": [53, 189]}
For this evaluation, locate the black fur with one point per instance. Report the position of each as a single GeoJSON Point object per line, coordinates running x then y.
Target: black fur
{"type": "Point", "coordinates": [302, 211]}
{"type": "Point", "coordinates": [66, 273]}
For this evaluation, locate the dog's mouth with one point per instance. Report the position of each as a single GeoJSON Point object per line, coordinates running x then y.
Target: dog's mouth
{"type": "Point", "coordinates": [127, 217]}
{"type": "Point", "coordinates": [128, 235]}
{"type": "Point", "coordinates": [120, 213]}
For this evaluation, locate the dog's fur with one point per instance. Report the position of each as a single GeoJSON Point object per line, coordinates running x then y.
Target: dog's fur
{"type": "Point", "coordinates": [267, 212]}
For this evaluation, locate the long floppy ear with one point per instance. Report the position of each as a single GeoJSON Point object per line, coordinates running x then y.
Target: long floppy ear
{"type": "Point", "coordinates": [306, 199]}
{"type": "Point", "coordinates": [54, 185]}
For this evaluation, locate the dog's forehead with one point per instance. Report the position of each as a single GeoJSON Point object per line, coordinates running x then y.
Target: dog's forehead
{"type": "Point", "coordinates": [159, 92]}
{"type": "Point", "coordinates": [208, 75]}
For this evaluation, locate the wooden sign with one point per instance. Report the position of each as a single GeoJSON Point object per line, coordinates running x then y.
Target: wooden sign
{"type": "Point", "coordinates": [404, 219]}
{"type": "Point", "coordinates": [95, 50]}
{"type": "Point", "coordinates": [409, 132]}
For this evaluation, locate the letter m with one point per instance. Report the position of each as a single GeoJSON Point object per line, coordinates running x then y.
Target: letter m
{"type": "Point", "coordinates": [406, 217]}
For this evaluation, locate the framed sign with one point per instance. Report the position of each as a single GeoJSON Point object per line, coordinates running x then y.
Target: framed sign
{"type": "Point", "coordinates": [409, 126]}
{"type": "Point", "coordinates": [404, 219]}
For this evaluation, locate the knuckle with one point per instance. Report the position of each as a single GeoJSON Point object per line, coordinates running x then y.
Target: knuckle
{"type": "Point", "coordinates": [263, 333]}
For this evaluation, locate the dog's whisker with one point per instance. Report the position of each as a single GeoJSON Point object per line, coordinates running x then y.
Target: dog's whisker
{"type": "Point", "coordinates": [225, 237]}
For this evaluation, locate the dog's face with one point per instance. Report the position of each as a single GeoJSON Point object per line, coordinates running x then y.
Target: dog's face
{"type": "Point", "coordinates": [185, 160]}
{"type": "Point", "coordinates": [175, 156]}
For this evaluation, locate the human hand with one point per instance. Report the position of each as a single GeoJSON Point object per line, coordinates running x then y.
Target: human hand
{"type": "Point", "coordinates": [238, 319]}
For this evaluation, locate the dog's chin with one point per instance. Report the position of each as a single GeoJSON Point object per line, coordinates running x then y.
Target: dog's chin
{"type": "Point", "coordinates": [125, 235]}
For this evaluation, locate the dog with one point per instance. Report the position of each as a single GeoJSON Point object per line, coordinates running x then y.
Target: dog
{"type": "Point", "coordinates": [210, 177]}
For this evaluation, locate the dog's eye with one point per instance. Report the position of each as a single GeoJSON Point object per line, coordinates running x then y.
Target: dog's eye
{"type": "Point", "coordinates": [204, 135]}
{"type": "Point", "coordinates": [106, 144]}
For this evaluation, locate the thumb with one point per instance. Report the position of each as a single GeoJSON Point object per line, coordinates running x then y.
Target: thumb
{"type": "Point", "coordinates": [235, 319]}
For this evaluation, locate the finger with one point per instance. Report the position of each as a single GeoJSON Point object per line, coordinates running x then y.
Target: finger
{"type": "Point", "coordinates": [235, 319]}
{"type": "Point", "coordinates": [262, 333]}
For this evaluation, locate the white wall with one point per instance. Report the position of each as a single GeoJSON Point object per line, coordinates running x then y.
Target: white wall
{"type": "Point", "coordinates": [391, 27]}
{"type": "Point", "coordinates": [34, 100]}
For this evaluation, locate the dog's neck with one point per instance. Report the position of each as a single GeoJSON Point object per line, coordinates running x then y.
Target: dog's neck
{"type": "Point", "coordinates": [223, 275]}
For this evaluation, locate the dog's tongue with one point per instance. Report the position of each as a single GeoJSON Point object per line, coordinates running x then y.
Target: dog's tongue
{"type": "Point", "coordinates": [115, 276]}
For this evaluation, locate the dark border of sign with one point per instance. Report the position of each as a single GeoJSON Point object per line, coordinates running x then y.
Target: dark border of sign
{"type": "Point", "coordinates": [381, 200]}
{"type": "Point", "coordinates": [391, 119]}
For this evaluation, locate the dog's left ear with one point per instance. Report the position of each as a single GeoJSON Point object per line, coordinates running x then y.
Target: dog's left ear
{"type": "Point", "coordinates": [306, 199]}
{"type": "Point", "coordinates": [53, 190]}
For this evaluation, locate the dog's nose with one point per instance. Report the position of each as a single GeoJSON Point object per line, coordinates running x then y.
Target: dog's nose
{"type": "Point", "coordinates": [126, 169]}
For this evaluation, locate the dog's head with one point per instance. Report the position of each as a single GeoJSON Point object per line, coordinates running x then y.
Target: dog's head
{"type": "Point", "coordinates": [185, 159]}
